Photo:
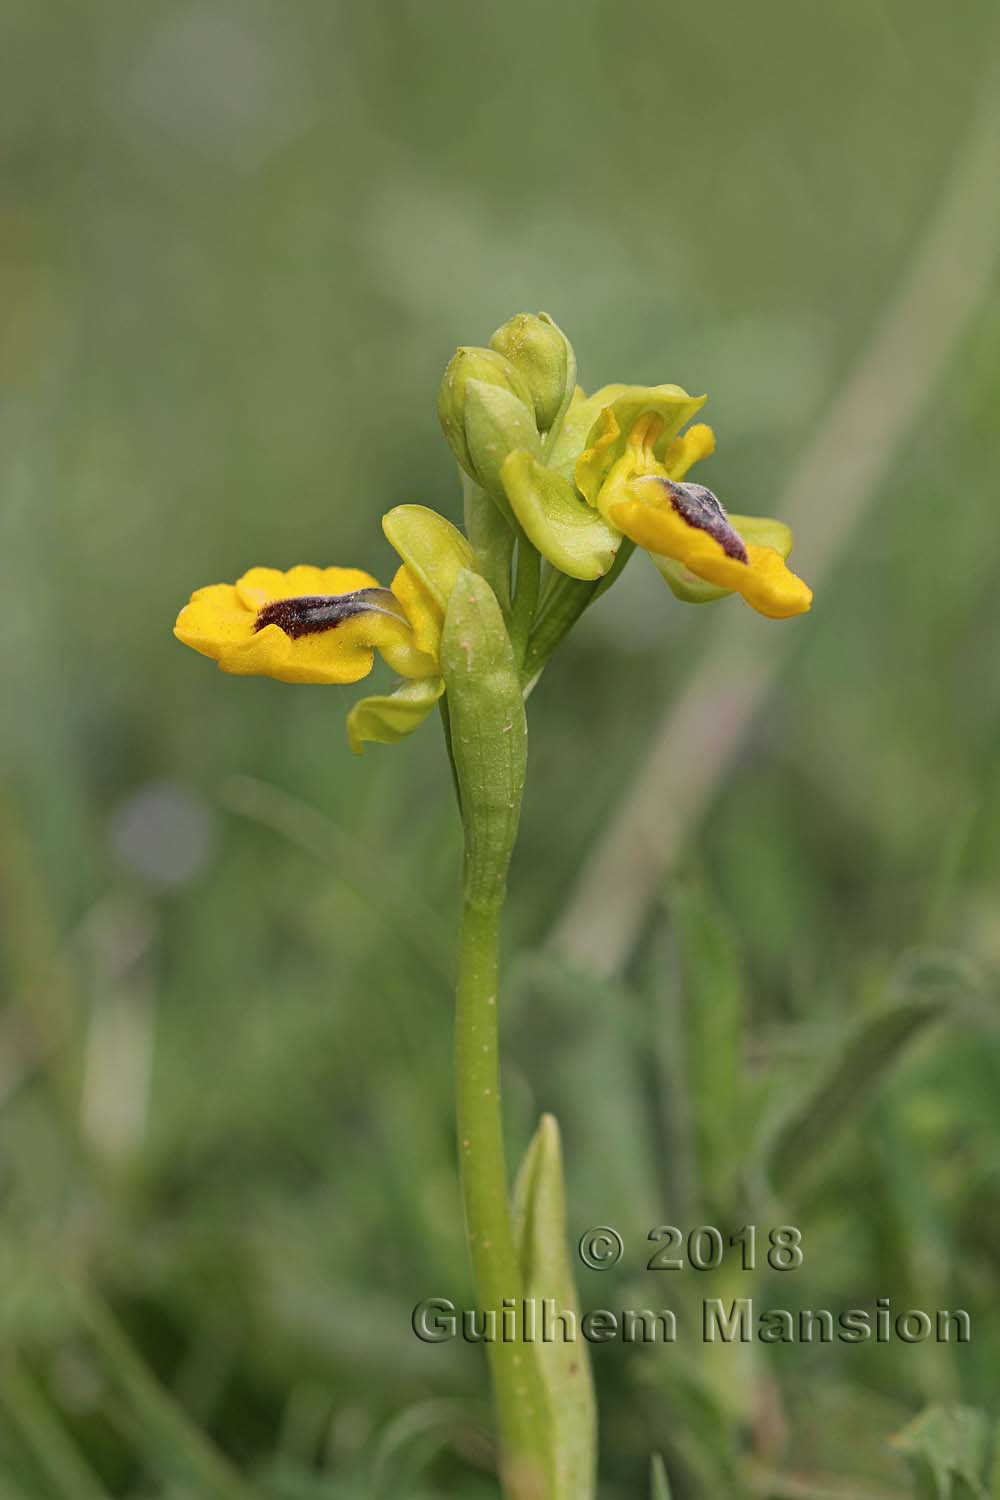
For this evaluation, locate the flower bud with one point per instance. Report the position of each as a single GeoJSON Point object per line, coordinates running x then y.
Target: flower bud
{"type": "Point", "coordinates": [488, 368]}
{"type": "Point", "coordinates": [542, 354]}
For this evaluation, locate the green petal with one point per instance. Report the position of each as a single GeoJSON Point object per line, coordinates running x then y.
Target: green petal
{"type": "Point", "coordinates": [764, 531]}
{"type": "Point", "coordinates": [627, 404]}
{"type": "Point", "coordinates": [566, 530]}
{"type": "Point", "coordinates": [670, 402]}
{"type": "Point", "coordinates": [385, 719]}
{"type": "Point", "coordinates": [431, 546]}
{"type": "Point", "coordinates": [583, 412]}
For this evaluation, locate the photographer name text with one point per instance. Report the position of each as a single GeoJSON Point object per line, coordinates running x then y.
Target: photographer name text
{"type": "Point", "coordinates": [530, 1320]}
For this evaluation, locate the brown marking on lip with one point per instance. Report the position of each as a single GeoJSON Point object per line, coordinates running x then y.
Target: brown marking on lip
{"type": "Point", "coordinates": [309, 614]}
{"type": "Point", "coordinates": [699, 507]}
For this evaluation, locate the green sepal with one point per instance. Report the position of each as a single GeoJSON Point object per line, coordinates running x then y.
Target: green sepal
{"type": "Point", "coordinates": [496, 423]}
{"type": "Point", "coordinates": [542, 354]}
{"type": "Point", "coordinates": [671, 402]}
{"type": "Point", "coordinates": [540, 1239]}
{"type": "Point", "coordinates": [432, 547]}
{"type": "Point", "coordinates": [489, 368]}
{"type": "Point", "coordinates": [567, 531]}
{"type": "Point", "coordinates": [607, 439]}
{"type": "Point", "coordinates": [387, 718]}
{"type": "Point", "coordinates": [488, 733]}
{"type": "Point", "coordinates": [762, 531]}
{"type": "Point", "coordinates": [684, 585]}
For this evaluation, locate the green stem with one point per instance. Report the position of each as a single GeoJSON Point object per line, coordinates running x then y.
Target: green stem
{"type": "Point", "coordinates": [488, 737]}
{"type": "Point", "coordinates": [563, 604]}
{"type": "Point", "coordinates": [522, 1412]}
{"type": "Point", "coordinates": [491, 537]}
{"type": "Point", "coordinates": [529, 572]}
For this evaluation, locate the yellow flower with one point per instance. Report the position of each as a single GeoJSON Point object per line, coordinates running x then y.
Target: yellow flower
{"type": "Point", "coordinates": [314, 624]}
{"type": "Point", "coordinates": [646, 497]}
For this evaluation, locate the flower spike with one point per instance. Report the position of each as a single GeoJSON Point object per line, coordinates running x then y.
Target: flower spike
{"type": "Point", "coordinates": [550, 474]}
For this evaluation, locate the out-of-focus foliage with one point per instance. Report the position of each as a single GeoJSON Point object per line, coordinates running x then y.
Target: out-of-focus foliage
{"type": "Point", "coordinates": [238, 243]}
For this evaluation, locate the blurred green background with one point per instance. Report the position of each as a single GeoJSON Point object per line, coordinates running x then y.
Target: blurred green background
{"type": "Point", "coordinates": [238, 242]}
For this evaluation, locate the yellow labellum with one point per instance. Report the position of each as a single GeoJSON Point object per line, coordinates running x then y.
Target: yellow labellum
{"type": "Point", "coordinates": [764, 581]}
{"type": "Point", "coordinates": [308, 624]}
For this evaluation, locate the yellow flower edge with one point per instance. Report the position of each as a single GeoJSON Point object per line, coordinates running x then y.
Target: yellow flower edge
{"type": "Point", "coordinates": [223, 621]}
{"type": "Point", "coordinates": [764, 580]}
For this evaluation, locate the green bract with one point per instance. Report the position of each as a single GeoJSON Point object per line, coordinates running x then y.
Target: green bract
{"type": "Point", "coordinates": [488, 732]}
{"type": "Point", "coordinates": [540, 1234]}
{"type": "Point", "coordinates": [496, 423]}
